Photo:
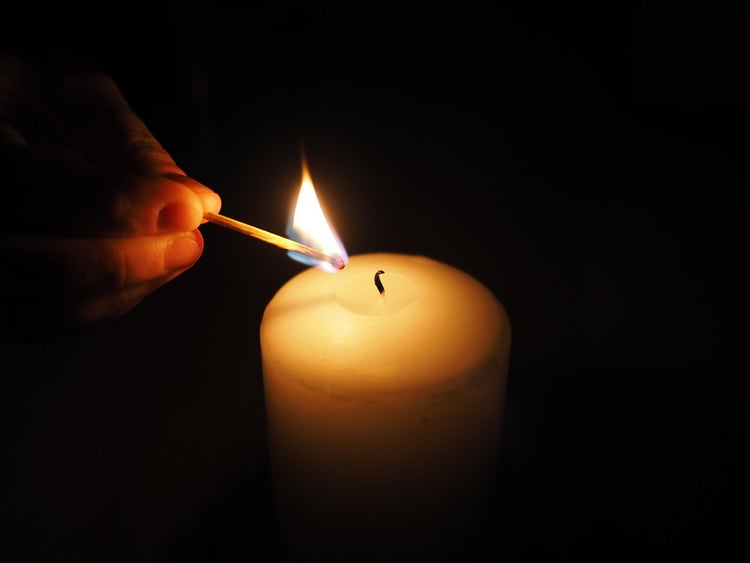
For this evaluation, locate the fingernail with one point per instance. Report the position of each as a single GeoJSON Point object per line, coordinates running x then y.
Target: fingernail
{"type": "Point", "coordinates": [210, 199]}
{"type": "Point", "coordinates": [183, 252]}
{"type": "Point", "coordinates": [177, 217]}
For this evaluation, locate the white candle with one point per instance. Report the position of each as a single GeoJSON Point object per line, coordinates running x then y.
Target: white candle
{"type": "Point", "coordinates": [384, 410]}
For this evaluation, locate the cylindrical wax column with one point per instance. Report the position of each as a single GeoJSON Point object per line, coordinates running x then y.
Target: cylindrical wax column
{"type": "Point", "coordinates": [384, 409]}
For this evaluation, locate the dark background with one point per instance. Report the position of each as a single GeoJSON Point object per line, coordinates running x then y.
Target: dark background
{"type": "Point", "coordinates": [584, 161]}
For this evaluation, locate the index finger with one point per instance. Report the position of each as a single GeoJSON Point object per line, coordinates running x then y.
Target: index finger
{"type": "Point", "coordinates": [105, 129]}
{"type": "Point", "coordinates": [111, 136]}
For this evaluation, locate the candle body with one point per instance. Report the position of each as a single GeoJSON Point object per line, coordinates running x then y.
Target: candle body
{"type": "Point", "coordinates": [384, 410]}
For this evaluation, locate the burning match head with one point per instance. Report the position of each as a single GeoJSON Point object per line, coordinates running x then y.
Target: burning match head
{"type": "Point", "coordinates": [311, 257]}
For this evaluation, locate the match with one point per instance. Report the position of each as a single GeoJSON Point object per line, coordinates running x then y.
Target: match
{"type": "Point", "coordinates": [271, 238]}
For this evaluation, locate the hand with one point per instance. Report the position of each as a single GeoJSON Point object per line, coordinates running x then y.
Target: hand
{"type": "Point", "coordinates": [96, 214]}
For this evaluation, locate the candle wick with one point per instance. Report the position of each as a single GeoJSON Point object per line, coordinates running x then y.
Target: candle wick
{"type": "Point", "coordinates": [378, 283]}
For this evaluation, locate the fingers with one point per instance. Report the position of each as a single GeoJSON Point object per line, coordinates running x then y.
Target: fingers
{"type": "Point", "coordinates": [97, 215]}
{"type": "Point", "coordinates": [149, 205]}
{"type": "Point", "coordinates": [210, 199]}
{"type": "Point", "coordinates": [109, 134]}
{"type": "Point", "coordinates": [97, 170]}
{"type": "Point", "coordinates": [56, 192]}
{"type": "Point", "coordinates": [44, 267]}
{"type": "Point", "coordinates": [65, 282]}
{"type": "Point", "coordinates": [106, 130]}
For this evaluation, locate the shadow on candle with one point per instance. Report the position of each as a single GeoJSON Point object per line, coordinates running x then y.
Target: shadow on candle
{"type": "Point", "coordinates": [384, 425]}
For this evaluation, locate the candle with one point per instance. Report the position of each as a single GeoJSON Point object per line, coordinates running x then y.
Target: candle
{"type": "Point", "coordinates": [384, 403]}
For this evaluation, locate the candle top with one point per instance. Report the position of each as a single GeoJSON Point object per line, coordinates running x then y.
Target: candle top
{"type": "Point", "coordinates": [431, 324]}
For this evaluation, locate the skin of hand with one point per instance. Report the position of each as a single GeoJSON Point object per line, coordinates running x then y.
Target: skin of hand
{"type": "Point", "coordinates": [96, 214]}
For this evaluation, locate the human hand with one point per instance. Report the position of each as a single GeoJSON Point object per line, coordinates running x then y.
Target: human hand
{"type": "Point", "coordinates": [96, 214]}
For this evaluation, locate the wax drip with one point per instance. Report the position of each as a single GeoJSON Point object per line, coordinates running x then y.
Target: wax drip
{"type": "Point", "coordinates": [378, 283]}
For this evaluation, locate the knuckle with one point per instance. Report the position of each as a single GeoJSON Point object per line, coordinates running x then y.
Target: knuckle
{"type": "Point", "coordinates": [142, 144]}
{"type": "Point", "coordinates": [118, 268]}
{"type": "Point", "coordinates": [109, 270]}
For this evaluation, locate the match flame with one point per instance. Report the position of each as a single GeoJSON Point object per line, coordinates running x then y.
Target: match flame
{"type": "Point", "coordinates": [309, 226]}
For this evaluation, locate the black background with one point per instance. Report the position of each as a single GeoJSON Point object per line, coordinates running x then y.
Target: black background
{"type": "Point", "coordinates": [584, 161]}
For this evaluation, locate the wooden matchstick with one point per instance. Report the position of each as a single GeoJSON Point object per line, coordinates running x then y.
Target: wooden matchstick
{"type": "Point", "coordinates": [269, 237]}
